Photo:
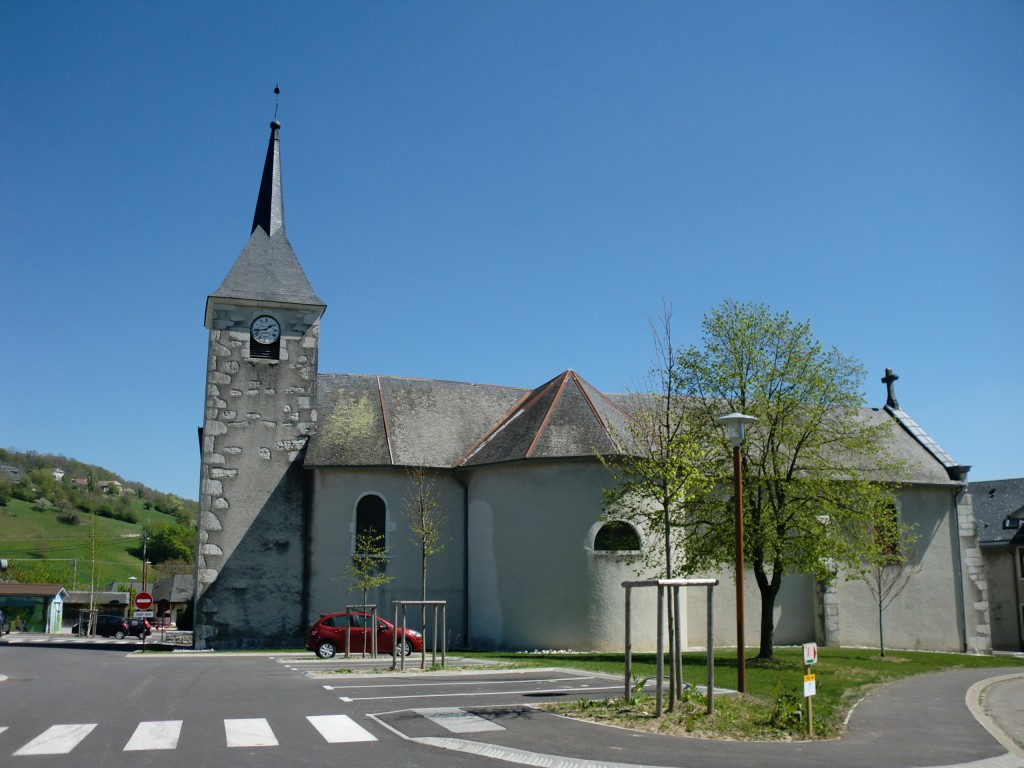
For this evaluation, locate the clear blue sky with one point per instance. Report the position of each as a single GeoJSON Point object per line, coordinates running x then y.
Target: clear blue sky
{"type": "Point", "coordinates": [498, 191]}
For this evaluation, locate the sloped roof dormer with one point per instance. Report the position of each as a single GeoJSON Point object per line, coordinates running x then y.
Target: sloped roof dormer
{"type": "Point", "coordinates": [267, 271]}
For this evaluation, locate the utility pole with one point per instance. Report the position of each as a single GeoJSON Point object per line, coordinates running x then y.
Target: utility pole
{"type": "Point", "coordinates": [145, 563]}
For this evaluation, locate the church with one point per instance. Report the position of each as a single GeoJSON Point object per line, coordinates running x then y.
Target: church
{"type": "Point", "coordinates": [297, 465]}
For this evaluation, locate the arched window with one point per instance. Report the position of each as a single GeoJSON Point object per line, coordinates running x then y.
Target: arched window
{"type": "Point", "coordinates": [616, 536]}
{"type": "Point", "coordinates": [371, 525]}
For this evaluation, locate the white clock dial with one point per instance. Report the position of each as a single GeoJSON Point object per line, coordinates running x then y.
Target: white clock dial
{"type": "Point", "coordinates": [265, 329]}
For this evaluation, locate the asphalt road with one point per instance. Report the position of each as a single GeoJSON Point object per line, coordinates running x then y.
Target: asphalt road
{"type": "Point", "coordinates": [90, 703]}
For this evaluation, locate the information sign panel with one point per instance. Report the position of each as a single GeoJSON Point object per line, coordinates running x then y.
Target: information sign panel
{"type": "Point", "coordinates": [810, 653]}
{"type": "Point", "coordinates": [809, 686]}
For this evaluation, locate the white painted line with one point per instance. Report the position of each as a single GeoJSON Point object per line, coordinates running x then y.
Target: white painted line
{"type": "Point", "coordinates": [57, 740]}
{"type": "Point", "coordinates": [340, 729]}
{"type": "Point", "coordinates": [446, 684]}
{"type": "Point", "coordinates": [522, 757]}
{"type": "Point", "coordinates": [346, 699]}
{"type": "Point", "coordinates": [547, 692]}
{"type": "Point", "coordinates": [250, 732]}
{"type": "Point", "coordinates": [458, 720]}
{"type": "Point", "coordinates": [159, 734]}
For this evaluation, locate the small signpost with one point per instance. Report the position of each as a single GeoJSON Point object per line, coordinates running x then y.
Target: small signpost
{"type": "Point", "coordinates": [810, 683]}
{"type": "Point", "coordinates": [143, 606]}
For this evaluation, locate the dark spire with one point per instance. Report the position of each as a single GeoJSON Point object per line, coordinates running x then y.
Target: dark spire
{"type": "Point", "coordinates": [270, 203]}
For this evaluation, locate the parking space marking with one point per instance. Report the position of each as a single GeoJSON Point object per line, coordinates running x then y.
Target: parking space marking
{"type": "Point", "coordinates": [528, 692]}
{"type": "Point", "coordinates": [57, 739]}
{"type": "Point", "coordinates": [157, 734]}
{"type": "Point", "coordinates": [458, 720]}
{"type": "Point", "coordinates": [338, 729]}
{"type": "Point", "coordinates": [449, 683]}
{"type": "Point", "coordinates": [249, 732]}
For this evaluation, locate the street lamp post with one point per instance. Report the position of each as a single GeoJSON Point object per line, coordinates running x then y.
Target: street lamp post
{"type": "Point", "coordinates": [734, 424]}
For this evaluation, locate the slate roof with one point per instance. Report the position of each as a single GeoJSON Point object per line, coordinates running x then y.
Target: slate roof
{"type": "Point", "coordinates": [267, 271]}
{"type": "Point", "coordinates": [565, 417]}
{"type": "Point", "coordinates": [177, 589]}
{"type": "Point", "coordinates": [99, 597]}
{"type": "Point", "coordinates": [995, 501]}
{"type": "Point", "coordinates": [388, 420]}
{"type": "Point", "coordinates": [30, 590]}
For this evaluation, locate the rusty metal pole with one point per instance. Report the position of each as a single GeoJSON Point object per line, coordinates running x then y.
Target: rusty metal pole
{"type": "Point", "coordinates": [711, 650]}
{"type": "Point", "coordinates": [629, 647]}
{"type": "Point", "coordinates": [737, 490]}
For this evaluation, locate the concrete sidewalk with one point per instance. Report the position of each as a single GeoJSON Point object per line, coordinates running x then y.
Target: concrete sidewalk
{"type": "Point", "coordinates": [999, 702]}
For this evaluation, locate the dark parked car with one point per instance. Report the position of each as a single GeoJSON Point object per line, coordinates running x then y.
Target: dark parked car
{"type": "Point", "coordinates": [5, 624]}
{"type": "Point", "coordinates": [139, 627]}
{"type": "Point", "coordinates": [106, 625]}
{"type": "Point", "coordinates": [326, 636]}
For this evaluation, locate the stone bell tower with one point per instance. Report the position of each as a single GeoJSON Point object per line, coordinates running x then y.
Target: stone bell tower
{"type": "Point", "coordinates": [251, 564]}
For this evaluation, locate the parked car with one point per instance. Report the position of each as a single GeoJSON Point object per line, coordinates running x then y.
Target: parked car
{"type": "Point", "coordinates": [326, 636]}
{"type": "Point", "coordinates": [5, 624]}
{"type": "Point", "coordinates": [140, 628]}
{"type": "Point", "coordinates": [106, 625]}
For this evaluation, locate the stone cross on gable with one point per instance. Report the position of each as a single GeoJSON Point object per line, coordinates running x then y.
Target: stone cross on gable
{"type": "Point", "coordinates": [890, 380]}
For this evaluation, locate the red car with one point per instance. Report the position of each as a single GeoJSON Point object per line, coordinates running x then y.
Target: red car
{"type": "Point", "coordinates": [327, 635]}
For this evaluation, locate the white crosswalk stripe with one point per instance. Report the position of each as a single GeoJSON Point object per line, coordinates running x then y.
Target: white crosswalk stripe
{"type": "Point", "coordinates": [152, 735]}
{"type": "Point", "coordinates": [249, 732]}
{"type": "Point", "coordinates": [155, 735]}
{"type": "Point", "coordinates": [458, 720]}
{"type": "Point", "coordinates": [57, 740]}
{"type": "Point", "coordinates": [340, 729]}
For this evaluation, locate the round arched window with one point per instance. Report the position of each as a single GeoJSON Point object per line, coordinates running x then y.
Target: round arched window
{"type": "Point", "coordinates": [371, 522]}
{"type": "Point", "coordinates": [616, 536]}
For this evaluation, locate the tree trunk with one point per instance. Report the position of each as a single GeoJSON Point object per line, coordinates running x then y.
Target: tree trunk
{"type": "Point", "coordinates": [881, 637]}
{"type": "Point", "coordinates": [769, 589]}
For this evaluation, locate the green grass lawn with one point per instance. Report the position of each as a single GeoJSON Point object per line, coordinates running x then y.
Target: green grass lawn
{"type": "Point", "coordinates": [774, 688]}
{"type": "Point", "coordinates": [32, 534]}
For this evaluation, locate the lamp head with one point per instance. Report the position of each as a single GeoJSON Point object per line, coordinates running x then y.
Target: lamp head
{"type": "Point", "coordinates": [734, 424]}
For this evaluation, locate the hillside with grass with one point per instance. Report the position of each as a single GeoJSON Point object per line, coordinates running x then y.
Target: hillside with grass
{"type": "Point", "coordinates": [85, 527]}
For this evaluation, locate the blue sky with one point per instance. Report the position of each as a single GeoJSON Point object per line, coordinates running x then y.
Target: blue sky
{"type": "Point", "coordinates": [498, 191]}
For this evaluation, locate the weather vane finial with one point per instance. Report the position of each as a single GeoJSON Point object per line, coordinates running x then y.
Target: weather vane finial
{"type": "Point", "coordinates": [277, 98]}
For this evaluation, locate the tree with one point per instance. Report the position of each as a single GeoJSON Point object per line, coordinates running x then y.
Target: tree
{"type": "Point", "coordinates": [815, 470]}
{"type": "Point", "coordinates": [166, 542]}
{"type": "Point", "coordinates": [890, 566]}
{"type": "Point", "coordinates": [426, 525]}
{"type": "Point", "coordinates": [660, 468]}
{"type": "Point", "coordinates": [368, 568]}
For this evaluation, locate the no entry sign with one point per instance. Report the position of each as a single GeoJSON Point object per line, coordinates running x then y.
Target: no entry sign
{"type": "Point", "coordinates": [143, 601]}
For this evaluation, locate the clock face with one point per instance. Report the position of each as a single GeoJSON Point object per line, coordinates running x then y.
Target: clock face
{"type": "Point", "coordinates": [265, 329]}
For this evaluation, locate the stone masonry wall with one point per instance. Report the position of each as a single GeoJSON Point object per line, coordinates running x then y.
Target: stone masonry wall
{"type": "Point", "coordinates": [978, 629]}
{"type": "Point", "coordinates": [259, 415]}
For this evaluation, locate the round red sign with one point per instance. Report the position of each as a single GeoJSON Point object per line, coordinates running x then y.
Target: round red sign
{"type": "Point", "coordinates": [143, 601]}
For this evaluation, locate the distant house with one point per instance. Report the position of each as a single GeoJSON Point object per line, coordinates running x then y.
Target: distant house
{"type": "Point", "coordinates": [110, 486]}
{"type": "Point", "coordinates": [81, 482]}
{"type": "Point", "coordinates": [7, 471]}
{"type": "Point", "coordinates": [999, 510]}
{"type": "Point", "coordinates": [177, 592]}
{"type": "Point", "coordinates": [33, 607]}
{"type": "Point", "coordinates": [79, 601]}
{"type": "Point", "coordinates": [58, 474]}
